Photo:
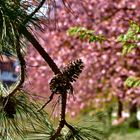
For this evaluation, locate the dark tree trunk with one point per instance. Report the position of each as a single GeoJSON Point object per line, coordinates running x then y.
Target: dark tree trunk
{"type": "Point", "coordinates": [120, 108]}
{"type": "Point", "coordinates": [133, 118]}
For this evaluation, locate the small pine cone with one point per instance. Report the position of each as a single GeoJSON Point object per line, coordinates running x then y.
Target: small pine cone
{"type": "Point", "coordinates": [61, 83]}
{"type": "Point", "coordinates": [73, 70]}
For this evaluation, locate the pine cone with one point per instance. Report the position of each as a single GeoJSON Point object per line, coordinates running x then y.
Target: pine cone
{"type": "Point", "coordinates": [62, 83]}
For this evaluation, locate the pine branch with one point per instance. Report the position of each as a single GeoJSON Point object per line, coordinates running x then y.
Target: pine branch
{"type": "Point", "coordinates": [40, 49]}
{"type": "Point", "coordinates": [23, 67]}
{"type": "Point", "coordinates": [49, 100]}
{"type": "Point", "coordinates": [62, 121]}
{"type": "Point", "coordinates": [61, 84]}
{"type": "Point", "coordinates": [34, 12]}
{"type": "Point", "coordinates": [8, 101]}
{"type": "Point", "coordinates": [62, 117]}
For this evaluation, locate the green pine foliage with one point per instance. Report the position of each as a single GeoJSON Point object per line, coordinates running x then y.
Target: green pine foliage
{"type": "Point", "coordinates": [11, 16]}
{"type": "Point", "coordinates": [85, 34]}
{"type": "Point", "coordinates": [85, 133]}
{"type": "Point", "coordinates": [130, 39]}
{"type": "Point", "coordinates": [90, 128]}
{"type": "Point", "coordinates": [19, 118]}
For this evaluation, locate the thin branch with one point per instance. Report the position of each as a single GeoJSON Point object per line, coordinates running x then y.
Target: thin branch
{"type": "Point", "coordinates": [70, 127]}
{"type": "Point", "coordinates": [34, 12]}
{"type": "Point", "coordinates": [50, 98]}
{"type": "Point", "coordinates": [40, 50]}
{"type": "Point", "coordinates": [62, 122]}
{"type": "Point", "coordinates": [54, 106]}
{"type": "Point", "coordinates": [22, 67]}
{"type": "Point", "coordinates": [68, 7]}
{"type": "Point", "coordinates": [62, 115]}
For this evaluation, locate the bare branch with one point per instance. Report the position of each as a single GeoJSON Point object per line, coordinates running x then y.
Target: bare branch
{"type": "Point", "coordinates": [40, 50]}
{"type": "Point", "coordinates": [62, 115]}
{"type": "Point", "coordinates": [34, 12]}
{"type": "Point", "coordinates": [22, 67]}
{"type": "Point", "coordinates": [50, 98]}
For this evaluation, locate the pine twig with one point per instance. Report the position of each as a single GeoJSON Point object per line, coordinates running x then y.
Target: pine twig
{"type": "Point", "coordinates": [62, 117]}
{"type": "Point", "coordinates": [62, 121]}
{"type": "Point", "coordinates": [22, 65]}
{"type": "Point", "coordinates": [40, 49]}
{"type": "Point", "coordinates": [34, 12]}
{"type": "Point", "coordinates": [49, 100]}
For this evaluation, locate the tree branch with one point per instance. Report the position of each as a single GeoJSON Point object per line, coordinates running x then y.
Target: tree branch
{"type": "Point", "coordinates": [50, 98]}
{"type": "Point", "coordinates": [62, 116]}
{"type": "Point", "coordinates": [40, 50]}
{"type": "Point", "coordinates": [22, 65]}
{"type": "Point", "coordinates": [56, 71]}
{"type": "Point", "coordinates": [34, 12]}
